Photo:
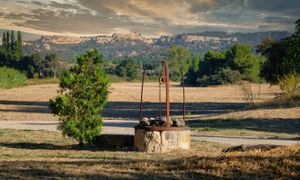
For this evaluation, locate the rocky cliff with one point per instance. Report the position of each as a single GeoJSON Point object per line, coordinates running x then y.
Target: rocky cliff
{"type": "Point", "coordinates": [120, 46]}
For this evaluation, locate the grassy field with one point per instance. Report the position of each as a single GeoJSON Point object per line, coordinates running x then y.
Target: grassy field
{"type": "Point", "coordinates": [44, 154]}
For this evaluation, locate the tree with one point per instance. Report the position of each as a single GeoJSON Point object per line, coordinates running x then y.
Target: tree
{"type": "Point", "coordinates": [193, 73]}
{"type": "Point", "coordinates": [127, 69]}
{"type": "Point", "coordinates": [180, 60]}
{"type": "Point", "coordinates": [13, 44]}
{"type": "Point", "coordinates": [240, 58]}
{"type": "Point", "coordinates": [19, 44]}
{"type": "Point", "coordinates": [213, 61]}
{"type": "Point", "coordinates": [216, 70]}
{"type": "Point", "coordinates": [298, 26]}
{"type": "Point", "coordinates": [27, 66]}
{"type": "Point", "coordinates": [283, 58]}
{"type": "Point", "coordinates": [84, 90]}
{"type": "Point", "coordinates": [265, 44]}
{"type": "Point", "coordinates": [38, 64]}
{"type": "Point", "coordinates": [50, 65]}
{"type": "Point", "coordinates": [7, 41]}
{"type": "Point", "coordinates": [4, 42]}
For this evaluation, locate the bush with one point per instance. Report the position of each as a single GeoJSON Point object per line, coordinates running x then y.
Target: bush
{"type": "Point", "coordinates": [10, 78]}
{"type": "Point", "coordinates": [228, 76]}
{"type": "Point", "coordinates": [289, 84]}
{"type": "Point", "coordinates": [222, 77]}
{"type": "Point", "coordinates": [128, 69]}
{"type": "Point", "coordinates": [84, 90]}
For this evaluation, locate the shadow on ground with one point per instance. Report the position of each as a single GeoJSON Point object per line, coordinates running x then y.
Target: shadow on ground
{"type": "Point", "coordinates": [131, 110]}
{"type": "Point", "coordinates": [44, 146]}
{"type": "Point", "coordinates": [49, 146]}
{"type": "Point", "coordinates": [291, 126]}
{"type": "Point", "coordinates": [197, 167]}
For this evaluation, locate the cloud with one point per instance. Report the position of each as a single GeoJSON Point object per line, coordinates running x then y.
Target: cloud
{"type": "Point", "coordinates": [149, 17]}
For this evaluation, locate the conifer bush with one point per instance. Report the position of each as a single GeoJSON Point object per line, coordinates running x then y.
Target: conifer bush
{"type": "Point", "coordinates": [83, 95]}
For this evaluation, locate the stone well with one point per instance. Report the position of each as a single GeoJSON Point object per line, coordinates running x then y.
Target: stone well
{"type": "Point", "coordinates": [161, 139]}
{"type": "Point", "coordinates": [161, 134]}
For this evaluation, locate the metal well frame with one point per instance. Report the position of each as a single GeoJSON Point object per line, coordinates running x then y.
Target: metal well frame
{"type": "Point", "coordinates": [164, 79]}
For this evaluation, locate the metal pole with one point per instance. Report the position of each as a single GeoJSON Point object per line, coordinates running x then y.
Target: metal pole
{"type": "Point", "coordinates": [159, 99]}
{"type": "Point", "coordinates": [142, 91]}
{"type": "Point", "coordinates": [167, 95]}
{"type": "Point", "coordinates": [183, 98]}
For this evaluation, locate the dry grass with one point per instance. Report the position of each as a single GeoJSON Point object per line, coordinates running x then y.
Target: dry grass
{"type": "Point", "coordinates": [31, 102]}
{"type": "Point", "coordinates": [25, 155]}
{"type": "Point", "coordinates": [221, 108]}
{"type": "Point", "coordinates": [277, 163]}
{"type": "Point", "coordinates": [260, 123]}
{"type": "Point", "coordinates": [31, 82]}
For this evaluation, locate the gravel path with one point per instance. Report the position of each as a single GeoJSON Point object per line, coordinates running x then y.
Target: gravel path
{"type": "Point", "coordinates": [110, 126]}
{"type": "Point", "coordinates": [126, 127]}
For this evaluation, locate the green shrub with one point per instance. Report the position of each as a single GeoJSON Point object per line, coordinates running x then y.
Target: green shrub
{"type": "Point", "coordinates": [128, 69]}
{"type": "Point", "coordinates": [84, 90]}
{"type": "Point", "coordinates": [10, 78]}
{"type": "Point", "coordinates": [222, 77]}
{"type": "Point", "coordinates": [228, 76]}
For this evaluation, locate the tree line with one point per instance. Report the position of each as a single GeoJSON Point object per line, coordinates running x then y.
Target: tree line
{"type": "Point", "coordinates": [34, 65]}
{"type": "Point", "coordinates": [270, 62]}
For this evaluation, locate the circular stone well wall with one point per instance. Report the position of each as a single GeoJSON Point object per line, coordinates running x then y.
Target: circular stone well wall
{"type": "Point", "coordinates": [161, 139]}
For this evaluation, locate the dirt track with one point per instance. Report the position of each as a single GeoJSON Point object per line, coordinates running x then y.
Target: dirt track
{"type": "Point", "coordinates": [126, 127]}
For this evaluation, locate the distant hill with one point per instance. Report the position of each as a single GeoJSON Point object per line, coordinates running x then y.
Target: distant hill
{"type": "Point", "coordinates": [134, 45]}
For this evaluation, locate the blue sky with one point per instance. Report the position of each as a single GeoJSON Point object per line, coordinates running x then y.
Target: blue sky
{"type": "Point", "coordinates": [150, 17]}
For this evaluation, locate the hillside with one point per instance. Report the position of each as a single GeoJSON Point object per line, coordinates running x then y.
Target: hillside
{"type": "Point", "coordinates": [134, 45]}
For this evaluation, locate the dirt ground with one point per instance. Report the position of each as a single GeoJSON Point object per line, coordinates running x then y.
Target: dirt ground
{"type": "Point", "coordinates": [213, 111]}
{"type": "Point", "coordinates": [217, 111]}
{"type": "Point", "coordinates": [31, 102]}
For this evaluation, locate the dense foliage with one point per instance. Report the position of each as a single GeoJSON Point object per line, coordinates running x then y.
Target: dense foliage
{"type": "Point", "coordinates": [11, 50]}
{"type": "Point", "coordinates": [127, 69]}
{"type": "Point", "coordinates": [84, 90]}
{"type": "Point", "coordinates": [11, 55]}
{"type": "Point", "coordinates": [219, 67]}
{"type": "Point", "coordinates": [283, 57]}
{"type": "Point", "coordinates": [10, 78]}
{"type": "Point", "coordinates": [179, 58]}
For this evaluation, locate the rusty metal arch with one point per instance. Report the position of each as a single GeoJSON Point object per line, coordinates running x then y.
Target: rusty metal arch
{"type": "Point", "coordinates": [163, 80]}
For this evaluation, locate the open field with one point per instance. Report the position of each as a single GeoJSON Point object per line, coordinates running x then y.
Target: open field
{"type": "Point", "coordinates": [219, 110]}
{"type": "Point", "coordinates": [215, 111]}
{"type": "Point", "coordinates": [31, 102]}
{"type": "Point", "coordinates": [25, 155]}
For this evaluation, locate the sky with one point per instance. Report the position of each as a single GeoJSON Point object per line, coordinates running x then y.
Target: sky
{"type": "Point", "coordinates": [149, 17]}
